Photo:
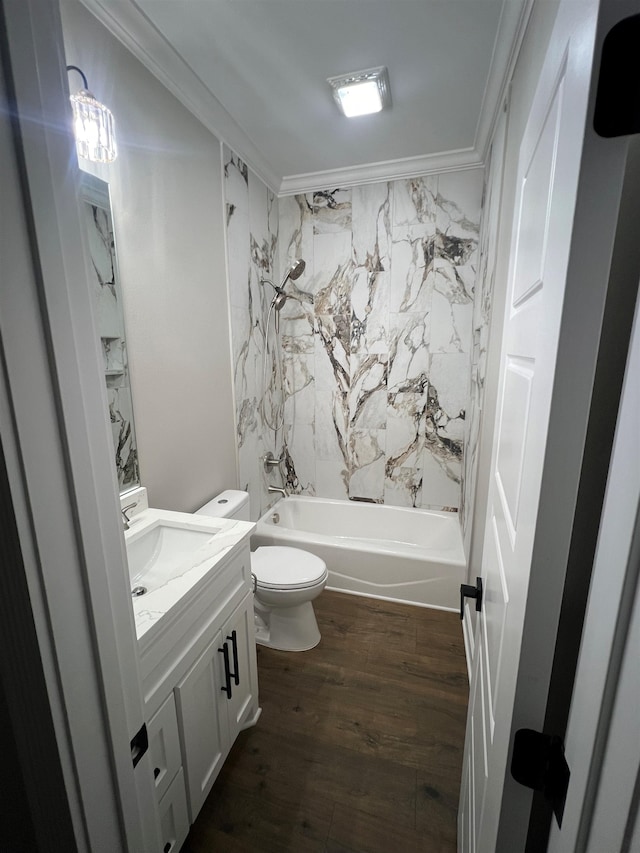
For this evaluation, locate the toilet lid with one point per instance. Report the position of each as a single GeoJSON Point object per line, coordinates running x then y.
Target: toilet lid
{"type": "Point", "coordinates": [279, 567]}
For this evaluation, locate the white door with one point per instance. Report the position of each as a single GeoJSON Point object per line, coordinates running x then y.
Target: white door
{"type": "Point", "coordinates": [546, 188]}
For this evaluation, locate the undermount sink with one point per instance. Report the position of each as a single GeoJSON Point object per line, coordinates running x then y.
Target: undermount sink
{"type": "Point", "coordinates": [173, 558]}
{"type": "Point", "coordinates": [159, 552]}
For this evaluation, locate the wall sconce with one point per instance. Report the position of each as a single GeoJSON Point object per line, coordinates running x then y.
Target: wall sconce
{"type": "Point", "coordinates": [93, 125]}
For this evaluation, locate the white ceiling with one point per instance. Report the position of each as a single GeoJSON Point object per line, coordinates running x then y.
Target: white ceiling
{"type": "Point", "coordinates": [255, 72]}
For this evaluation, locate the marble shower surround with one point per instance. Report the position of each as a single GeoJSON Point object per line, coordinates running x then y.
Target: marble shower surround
{"type": "Point", "coordinates": [251, 216]}
{"type": "Point", "coordinates": [376, 336]}
{"type": "Point", "coordinates": [483, 300]}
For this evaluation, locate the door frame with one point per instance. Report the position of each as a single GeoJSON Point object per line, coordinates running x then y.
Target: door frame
{"type": "Point", "coordinates": [57, 443]}
{"type": "Point", "coordinates": [603, 743]}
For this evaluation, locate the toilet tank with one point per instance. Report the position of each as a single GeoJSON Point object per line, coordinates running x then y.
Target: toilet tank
{"type": "Point", "coordinates": [229, 504]}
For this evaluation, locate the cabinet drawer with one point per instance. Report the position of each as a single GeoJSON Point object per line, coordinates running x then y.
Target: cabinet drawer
{"type": "Point", "coordinates": [164, 746]}
{"type": "Point", "coordinates": [174, 820]}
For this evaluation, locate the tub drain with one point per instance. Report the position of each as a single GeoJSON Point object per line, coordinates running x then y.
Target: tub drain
{"type": "Point", "coordinates": [138, 590]}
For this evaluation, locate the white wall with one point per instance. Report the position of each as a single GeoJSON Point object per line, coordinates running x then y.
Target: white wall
{"type": "Point", "coordinates": [166, 196]}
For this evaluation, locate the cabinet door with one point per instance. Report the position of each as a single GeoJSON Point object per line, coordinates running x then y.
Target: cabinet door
{"type": "Point", "coordinates": [239, 635]}
{"type": "Point", "coordinates": [202, 716]}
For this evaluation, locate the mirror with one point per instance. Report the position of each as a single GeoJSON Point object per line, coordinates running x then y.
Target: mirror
{"type": "Point", "coordinates": [107, 293]}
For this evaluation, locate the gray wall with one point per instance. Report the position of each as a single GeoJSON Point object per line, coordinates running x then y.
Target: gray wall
{"type": "Point", "coordinates": [166, 196]}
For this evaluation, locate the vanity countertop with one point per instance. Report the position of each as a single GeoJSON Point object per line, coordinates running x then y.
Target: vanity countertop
{"type": "Point", "coordinates": [189, 571]}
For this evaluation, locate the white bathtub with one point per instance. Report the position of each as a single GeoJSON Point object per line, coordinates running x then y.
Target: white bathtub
{"type": "Point", "coordinates": [395, 553]}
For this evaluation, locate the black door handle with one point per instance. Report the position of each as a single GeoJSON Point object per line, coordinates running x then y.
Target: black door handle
{"type": "Point", "coordinates": [468, 591]}
{"type": "Point", "coordinates": [234, 645]}
{"type": "Point", "coordinates": [224, 651]}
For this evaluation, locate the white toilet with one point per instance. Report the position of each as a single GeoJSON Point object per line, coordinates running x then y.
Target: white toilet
{"type": "Point", "coordinates": [287, 581]}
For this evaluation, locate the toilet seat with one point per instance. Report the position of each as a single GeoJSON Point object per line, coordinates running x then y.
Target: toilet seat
{"type": "Point", "coordinates": [281, 567]}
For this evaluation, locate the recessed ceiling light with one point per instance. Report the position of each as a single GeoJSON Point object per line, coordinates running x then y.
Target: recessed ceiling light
{"type": "Point", "coordinates": [362, 92]}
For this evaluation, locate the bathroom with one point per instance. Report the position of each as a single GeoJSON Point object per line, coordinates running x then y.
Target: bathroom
{"type": "Point", "coordinates": [382, 409]}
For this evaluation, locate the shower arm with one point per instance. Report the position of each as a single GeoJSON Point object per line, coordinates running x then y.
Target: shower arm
{"type": "Point", "coordinates": [278, 290]}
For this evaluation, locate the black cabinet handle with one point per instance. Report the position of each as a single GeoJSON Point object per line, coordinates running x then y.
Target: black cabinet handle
{"type": "Point", "coordinates": [234, 644]}
{"type": "Point", "coordinates": [156, 772]}
{"type": "Point", "coordinates": [167, 847]}
{"type": "Point", "coordinates": [468, 591]}
{"type": "Point", "coordinates": [224, 651]}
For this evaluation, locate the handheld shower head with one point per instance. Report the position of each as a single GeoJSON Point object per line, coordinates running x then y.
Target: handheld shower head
{"type": "Point", "coordinates": [279, 299]}
{"type": "Point", "coordinates": [294, 272]}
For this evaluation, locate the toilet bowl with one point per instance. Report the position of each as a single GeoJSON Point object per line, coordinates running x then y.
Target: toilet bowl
{"type": "Point", "coordinates": [286, 581]}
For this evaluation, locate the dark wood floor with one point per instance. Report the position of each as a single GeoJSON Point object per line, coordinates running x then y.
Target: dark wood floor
{"type": "Point", "coordinates": [359, 746]}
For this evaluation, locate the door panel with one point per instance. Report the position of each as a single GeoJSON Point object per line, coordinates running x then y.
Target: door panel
{"type": "Point", "coordinates": [495, 604]}
{"type": "Point", "coordinates": [535, 208]}
{"type": "Point", "coordinates": [511, 443]}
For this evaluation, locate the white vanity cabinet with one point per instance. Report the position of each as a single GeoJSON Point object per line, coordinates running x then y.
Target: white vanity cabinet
{"type": "Point", "coordinates": [213, 701]}
{"type": "Point", "coordinates": [201, 688]}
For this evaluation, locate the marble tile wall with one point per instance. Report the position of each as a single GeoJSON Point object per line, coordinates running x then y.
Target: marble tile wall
{"type": "Point", "coordinates": [109, 319]}
{"type": "Point", "coordinates": [483, 298]}
{"type": "Point", "coordinates": [376, 335]}
{"type": "Point", "coordinates": [377, 338]}
{"type": "Point", "coordinates": [252, 237]}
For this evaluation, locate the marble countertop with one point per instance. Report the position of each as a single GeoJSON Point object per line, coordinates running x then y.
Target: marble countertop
{"type": "Point", "coordinates": [226, 535]}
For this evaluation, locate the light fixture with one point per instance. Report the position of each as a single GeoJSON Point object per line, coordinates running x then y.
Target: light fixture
{"type": "Point", "coordinates": [362, 92]}
{"type": "Point", "coordinates": [93, 125]}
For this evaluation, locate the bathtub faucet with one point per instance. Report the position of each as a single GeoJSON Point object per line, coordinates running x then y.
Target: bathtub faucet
{"type": "Point", "coordinates": [282, 491]}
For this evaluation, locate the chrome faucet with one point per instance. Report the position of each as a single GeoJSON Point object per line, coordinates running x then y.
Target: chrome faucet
{"type": "Point", "coordinates": [282, 491]}
{"type": "Point", "coordinates": [125, 518]}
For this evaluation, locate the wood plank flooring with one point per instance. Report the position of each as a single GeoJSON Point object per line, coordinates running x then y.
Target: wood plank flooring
{"type": "Point", "coordinates": [359, 746]}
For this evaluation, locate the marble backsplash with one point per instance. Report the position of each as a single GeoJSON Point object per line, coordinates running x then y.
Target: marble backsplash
{"type": "Point", "coordinates": [376, 335]}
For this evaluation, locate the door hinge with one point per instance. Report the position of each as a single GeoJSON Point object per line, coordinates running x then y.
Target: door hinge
{"type": "Point", "coordinates": [538, 762]}
{"type": "Point", "coordinates": [139, 744]}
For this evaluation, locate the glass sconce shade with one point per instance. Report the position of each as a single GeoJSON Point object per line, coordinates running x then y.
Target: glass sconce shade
{"type": "Point", "coordinates": [94, 128]}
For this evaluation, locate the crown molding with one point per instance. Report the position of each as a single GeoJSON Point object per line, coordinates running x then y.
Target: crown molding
{"type": "Point", "coordinates": [128, 23]}
{"type": "Point", "coordinates": [388, 170]}
{"type": "Point", "coordinates": [514, 18]}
